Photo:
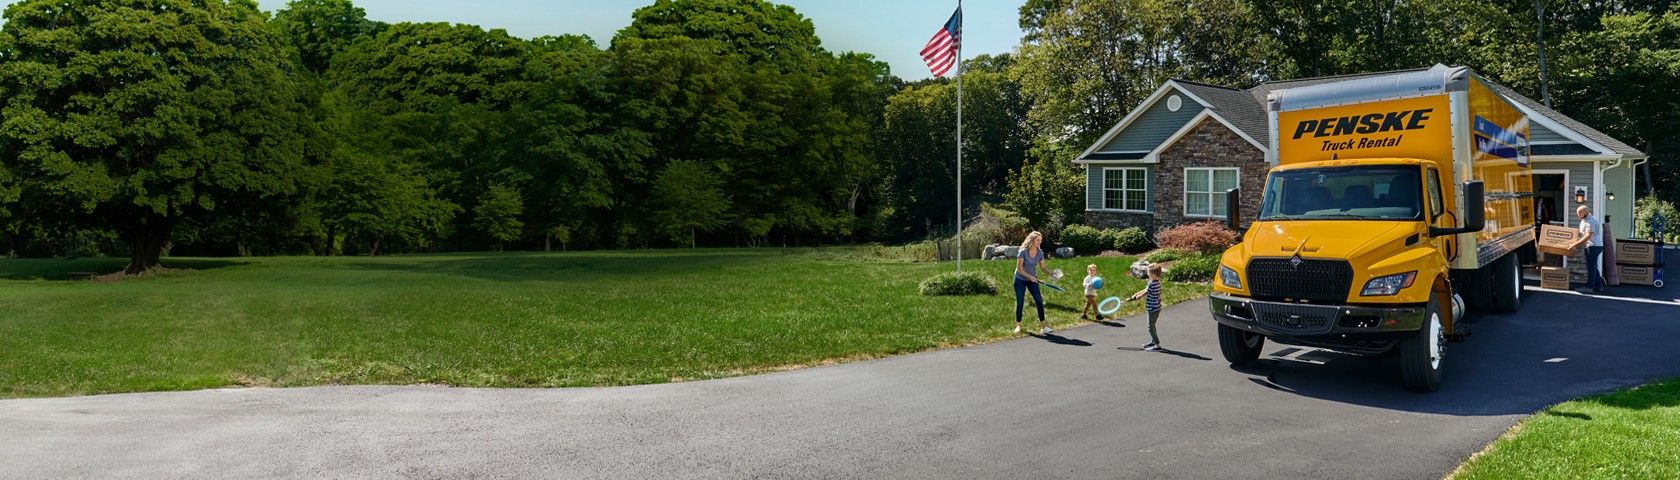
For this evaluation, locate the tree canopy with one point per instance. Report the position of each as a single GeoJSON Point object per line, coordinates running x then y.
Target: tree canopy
{"type": "Point", "coordinates": [136, 116]}
{"type": "Point", "coordinates": [207, 127]}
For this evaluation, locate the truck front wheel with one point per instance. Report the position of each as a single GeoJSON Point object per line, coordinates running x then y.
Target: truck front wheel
{"type": "Point", "coordinates": [1421, 354]}
{"type": "Point", "coordinates": [1507, 283]}
{"type": "Point", "coordinates": [1239, 346]}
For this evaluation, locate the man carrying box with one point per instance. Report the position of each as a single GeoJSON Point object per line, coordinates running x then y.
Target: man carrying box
{"type": "Point", "coordinates": [1592, 235]}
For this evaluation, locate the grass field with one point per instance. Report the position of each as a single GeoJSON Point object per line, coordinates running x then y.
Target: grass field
{"type": "Point", "coordinates": [506, 320]}
{"type": "Point", "coordinates": [1627, 434]}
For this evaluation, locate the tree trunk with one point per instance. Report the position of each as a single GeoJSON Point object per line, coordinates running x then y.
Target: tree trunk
{"type": "Point", "coordinates": [332, 241]}
{"type": "Point", "coordinates": [546, 243]}
{"type": "Point", "coordinates": [375, 251]}
{"type": "Point", "coordinates": [146, 243]}
{"type": "Point", "coordinates": [693, 241]}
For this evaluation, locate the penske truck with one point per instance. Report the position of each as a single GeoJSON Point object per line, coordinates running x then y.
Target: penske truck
{"type": "Point", "coordinates": [1395, 203]}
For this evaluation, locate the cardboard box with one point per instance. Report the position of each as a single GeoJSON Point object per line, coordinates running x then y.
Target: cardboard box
{"type": "Point", "coordinates": [1555, 278]}
{"type": "Point", "coordinates": [1637, 274]}
{"type": "Point", "coordinates": [1636, 252]}
{"type": "Point", "coordinates": [1556, 240]}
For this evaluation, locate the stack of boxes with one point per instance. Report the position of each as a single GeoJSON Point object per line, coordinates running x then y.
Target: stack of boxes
{"type": "Point", "coordinates": [1555, 240]}
{"type": "Point", "coordinates": [1639, 262]}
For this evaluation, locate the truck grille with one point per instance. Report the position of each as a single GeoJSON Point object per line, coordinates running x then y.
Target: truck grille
{"type": "Point", "coordinates": [1313, 281]}
{"type": "Point", "coordinates": [1295, 319]}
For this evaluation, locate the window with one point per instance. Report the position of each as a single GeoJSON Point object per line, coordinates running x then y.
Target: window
{"type": "Point", "coordinates": [1436, 205]}
{"type": "Point", "coordinates": [1124, 189]}
{"type": "Point", "coordinates": [1204, 190]}
{"type": "Point", "coordinates": [1376, 192]}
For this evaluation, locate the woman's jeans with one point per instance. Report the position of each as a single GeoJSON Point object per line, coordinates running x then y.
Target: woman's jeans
{"type": "Point", "coordinates": [1021, 288]}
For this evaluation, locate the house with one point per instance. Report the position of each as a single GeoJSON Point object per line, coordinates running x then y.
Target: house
{"type": "Point", "coordinates": [1170, 160]}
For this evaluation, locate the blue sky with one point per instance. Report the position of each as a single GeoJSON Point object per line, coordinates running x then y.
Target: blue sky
{"type": "Point", "coordinates": [892, 30]}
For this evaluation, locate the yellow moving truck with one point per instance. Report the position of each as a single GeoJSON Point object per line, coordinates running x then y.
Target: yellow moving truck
{"type": "Point", "coordinates": [1395, 202]}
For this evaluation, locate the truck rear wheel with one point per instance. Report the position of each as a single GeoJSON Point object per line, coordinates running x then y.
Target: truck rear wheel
{"type": "Point", "coordinates": [1239, 346]}
{"type": "Point", "coordinates": [1421, 354]}
{"type": "Point", "coordinates": [1507, 283]}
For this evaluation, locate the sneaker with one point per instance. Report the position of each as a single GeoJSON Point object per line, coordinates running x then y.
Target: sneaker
{"type": "Point", "coordinates": [1151, 347]}
{"type": "Point", "coordinates": [1087, 317]}
{"type": "Point", "coordinates": [1045, 331]}
{"type": "Point", "coordinates": [1017, 328]}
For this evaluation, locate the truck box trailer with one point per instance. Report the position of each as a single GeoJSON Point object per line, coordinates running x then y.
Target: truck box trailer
{"type": "Point", "coordinates": [1395, 202]}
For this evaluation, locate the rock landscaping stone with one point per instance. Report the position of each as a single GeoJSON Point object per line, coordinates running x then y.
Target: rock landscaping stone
{"type": "Point", "coordinates": [1140, 269]}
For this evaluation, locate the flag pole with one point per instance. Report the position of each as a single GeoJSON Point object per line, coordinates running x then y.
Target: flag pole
{"type": "Point", "coordinates": [960, 75]}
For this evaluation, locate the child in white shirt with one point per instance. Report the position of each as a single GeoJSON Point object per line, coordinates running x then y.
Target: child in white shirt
{"type": "Point", "coordinates": [1090, 293]}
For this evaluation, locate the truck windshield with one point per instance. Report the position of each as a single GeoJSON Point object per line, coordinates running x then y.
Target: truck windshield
{"type": "Point", "coordinates": [1384, 192]}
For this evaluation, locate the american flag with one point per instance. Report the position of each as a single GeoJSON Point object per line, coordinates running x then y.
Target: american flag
{"type": "Point", "coordinates": [941, 52]}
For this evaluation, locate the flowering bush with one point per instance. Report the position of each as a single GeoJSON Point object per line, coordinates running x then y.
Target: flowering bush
{"type": "Point", "coordinates": [1204, 237]}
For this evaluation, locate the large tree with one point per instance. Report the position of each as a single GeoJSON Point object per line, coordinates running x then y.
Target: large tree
{"type": "Point", "coordinates": [138, 115]}
{"type": "Point", "coordinates": [319, 29]}
{"type": "Point", "coordinates": [919, 145]}
{"type": "Point", "coordinates": [688, 198]}
{"type": "Point", "coordinates": [433, 99]}
{"type": "Point", "coordinates": [745, 87]}
{"type": "Point", "coordinates": [1084, 64]}
{"type": "Point", "coordinates": [570, 146]}
{"type": "Point", "coordinates": [763, 32]}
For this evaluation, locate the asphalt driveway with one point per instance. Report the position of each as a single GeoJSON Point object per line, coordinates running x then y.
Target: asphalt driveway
{"type": "Point", "coordinates": [1082, 403]}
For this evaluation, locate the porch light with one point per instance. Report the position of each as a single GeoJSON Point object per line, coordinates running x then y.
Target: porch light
{"type": "Point", "coordinates": [1610, 196]}
{"type": "Point", "coordinates": [1580, 195]}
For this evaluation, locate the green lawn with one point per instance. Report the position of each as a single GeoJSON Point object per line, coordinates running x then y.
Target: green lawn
{"type": "Point", "coordinates": [1628, 434]}
{"type": "Point", "coordinates": [513, 320]}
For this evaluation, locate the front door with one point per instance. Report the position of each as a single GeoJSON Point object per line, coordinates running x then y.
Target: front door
{"type": "Point", "coordinates": [1551, 208]}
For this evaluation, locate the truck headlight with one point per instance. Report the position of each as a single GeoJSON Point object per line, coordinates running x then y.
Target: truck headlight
{"type": "Point", "coordinates": [1229, 277]}
{"type": "Point", "coordinates": [1388, 285]}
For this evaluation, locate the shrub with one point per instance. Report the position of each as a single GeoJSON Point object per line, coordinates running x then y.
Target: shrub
{"type": "Point", "coordinates": [1091, 240]}
{"type": "Point", "coordinates": [1649, 207]}
{"type": "Point", "coordinates": [1202, 237]}
{"type": "Point", "coordinates": [1165, 255]}
{"type": "Point", "coordinates": [1085, 239]}
{"type": "Point", "coordinates": [1198, 268]}
{"type": "Point", "coordinates": [965, 283]}
{"type": "Point", "coordinates": [1131, 240]}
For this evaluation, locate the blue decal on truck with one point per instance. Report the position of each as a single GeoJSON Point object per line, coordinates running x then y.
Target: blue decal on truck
{"type": "Point", "coordinates": [1499, 142]}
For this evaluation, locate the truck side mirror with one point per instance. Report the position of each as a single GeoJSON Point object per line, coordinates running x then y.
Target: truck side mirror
{"type": "Point", "coordinates": [1475, 207]}
{"type": "Point", "coordinates": [1233, 209]}
{"type": "Point", "coordinates": [1475, 211]}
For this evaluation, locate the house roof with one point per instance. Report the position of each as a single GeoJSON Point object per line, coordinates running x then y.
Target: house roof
{"type": "Point", "coordinates": [1246, 110]}
{"type": "Point", "coordinates": [1237, 106]}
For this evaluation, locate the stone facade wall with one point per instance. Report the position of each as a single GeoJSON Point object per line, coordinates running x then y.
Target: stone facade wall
{"type": "Point", "coordinates": [1210, 144]}
{"type": "Point", "coordinates": [1107, 219]}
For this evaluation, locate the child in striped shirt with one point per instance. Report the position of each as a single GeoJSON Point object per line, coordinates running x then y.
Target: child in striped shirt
{"type": "Point", "coordinates": [1152, 302]}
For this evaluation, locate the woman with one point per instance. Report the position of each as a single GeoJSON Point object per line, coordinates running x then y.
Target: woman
{"type": "Point", "coordinates": [1028, 263]}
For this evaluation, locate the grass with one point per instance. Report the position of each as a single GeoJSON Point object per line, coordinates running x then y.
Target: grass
{"type": "Point", "coordinates": [1627, 434]}
{"type": "Point", "coordinates": [503, 320]}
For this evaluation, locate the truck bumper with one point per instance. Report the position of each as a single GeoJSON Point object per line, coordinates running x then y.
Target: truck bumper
{"type": "Point", "coordinates": [1365, 329]}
